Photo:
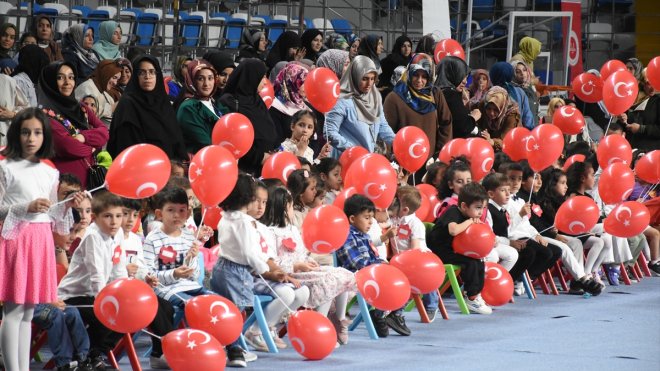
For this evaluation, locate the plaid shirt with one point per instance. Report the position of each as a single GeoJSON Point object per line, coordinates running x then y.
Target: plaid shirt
{"type": "Point", "coordinates": [357, 252]}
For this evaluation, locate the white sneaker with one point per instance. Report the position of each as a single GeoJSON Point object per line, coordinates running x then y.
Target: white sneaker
{"type": "Point", "coordinates": [478, 305]}
{"type": "Point", "coordinates": [519, 289]}
{"type": "Point", "coordinates": [254, 339]}
{"type": "Point", "coordinates": [279, 343]}
{"type": "Point", "coordinates": [249, 356]}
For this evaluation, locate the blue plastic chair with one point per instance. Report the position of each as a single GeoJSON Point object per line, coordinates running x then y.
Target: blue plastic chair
{"type": "Point", "coordinates": [94, 19]}
{"type": "Point", "coordinates": [233, 32]}
{"type": "Point", "coordinates": [146, 25]}
{"type": "Point", "coordinates": [342, 27]}
{"type": "Point", "coordinates": [191, 30]}
{"type": "Point", "coordinates": [276, 28]}
{"type": "Point", "coordinates": [364, 312]}
{"type": "Point", "coordinates": [260, 302]}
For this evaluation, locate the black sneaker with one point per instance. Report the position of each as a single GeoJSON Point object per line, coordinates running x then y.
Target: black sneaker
{"type": "Point", "coordinates": [397, 323]}
{"type": "Point", "coordinates": [431, 313]}
{"type": "Point", "coordinates": [235, 357]}
{"type": "Point", "coordinates": [576, 288]}
{"type": "Point", "coordinates": [380, 324]}
{"type": "Point", "coordinates": [72, 366]}
{"type": "Point", "coordinates": [99, 363]}
{"type": "Point", "coordinates": [593, 287]}
{"type": "Point", "coordinates": [655, 268]}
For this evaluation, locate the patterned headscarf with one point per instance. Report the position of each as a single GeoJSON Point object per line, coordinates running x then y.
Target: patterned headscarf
{"type": "Point", "coordinates": [190, 75]}
{"type": "Point", "coordinates": [475, 93]}
{"type": "Point", "coordinates": [500, 98]}
{"type": "Point", "coordinates": [287, 86]}
{"type": "Point", "coordinates": [421, 101]}
{"type": "Point", "coordinates": [333, 59]}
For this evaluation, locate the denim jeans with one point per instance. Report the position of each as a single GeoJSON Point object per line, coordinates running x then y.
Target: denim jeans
{"type": "Point", "coordinates": [179, 300]}
{"type": "Point", "coordinates": [67, 336]}
{"type": "Point", "coordinates": [431, 300]}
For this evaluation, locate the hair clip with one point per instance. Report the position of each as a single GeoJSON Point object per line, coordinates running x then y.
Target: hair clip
{"type": "Point", "coordinates": [395, 166]}
{"type": "Point", "coordinates": [306, 173]}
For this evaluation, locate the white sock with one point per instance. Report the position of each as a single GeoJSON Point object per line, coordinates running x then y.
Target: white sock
{"type": "Point", "coordinates": [15, 335]}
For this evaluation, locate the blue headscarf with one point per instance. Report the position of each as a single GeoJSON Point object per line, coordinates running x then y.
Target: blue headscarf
{"type": "Point", "coordinates": [421, 101]}
{"type": "Point", "coordinates": [501, 74]}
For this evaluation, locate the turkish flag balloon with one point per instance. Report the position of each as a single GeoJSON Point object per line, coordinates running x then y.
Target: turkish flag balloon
{"type": "Point", "coordinates": [48, 162]}
{"type": "Point", "coordinates": [647, 167]}
{"type": "Point", "coordinates": [216, 315]}
{"type": "Point", "coordinates": [514, 143]}
{"type": "Point", "coordinates": [280, 166]}
{"type": "Point", "coordinates": [139, 171]}
{"type": "Point", "coordinates": [577, 215]}
{"type": "Point", "coordinates": [322, 89]}
{"type": "Point", "coordinates": [434, 203]}
{"type": "Point", "coordinates": [481, 156]}
{"type": "Point", "coordinates": [212, 216]}
{"type": "Point", "coordinates": [448, 47]}
{"type": "Point", "coordinates": [373, 176]}
{"type": "Point", "coordinates": [325, 229]}
{"type": "Point", "coordinates": [569, 119]}
{"type": "Point", "coordinates": [573, 159]}
{"type": "Point", "coordinates": [628, 219]}
{"type": "Point", "coordinates": [383, 286]}
{"type": "Point", "coordinates": [411, 148]}
{"type": "Point", "coordinates": [452, 149]}
{"type": "Point", "coordinates": [126, 305]}
{"type": "Point", "coordinates": [424, 207]}
{"type": "Point", "coordinates": [544, 146]}
{"type": "Point", "coordinates": [616, 183]}
{"type": "Point", "coordinates": [424, 270]}
{"type": "Point", "coordinates": [653, 73]}
{"type": "Point", "coordinates": [348, 156]}
{"type": "Point", "coordinates": [610, 67]}
{"type": "Point", "coordinates": [234, 131]}
{"type": "Point", "coordinates": [312, 334]}
{"type": "Point", "coordinates": [213, 173]}
{"type": "Point", "coordinates": [619, 92]}
{"type": "Point", "coordinates": [613, 148]}
{"type": "Point", "coordinates": [475, 242]}
{"type": "Point", "coordinates": [267, 92]}
{"type": "Point", "coordinates": [192, 349]}
{"type": "Point", "coordinates": [341, 198]}
{"type": "Point", "coordinates": [588, 87]}
{"type": "Point", "coordinates": [498, 285]}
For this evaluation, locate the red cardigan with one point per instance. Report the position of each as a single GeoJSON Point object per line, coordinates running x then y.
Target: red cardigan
{"type": "Point", "coordinates": [70, 154]}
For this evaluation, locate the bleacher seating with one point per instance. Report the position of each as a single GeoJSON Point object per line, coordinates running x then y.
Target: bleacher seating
{"type": "Point", "coordinates": [94, 19]}
{"type": "Point", "coordinates": [234, 31]}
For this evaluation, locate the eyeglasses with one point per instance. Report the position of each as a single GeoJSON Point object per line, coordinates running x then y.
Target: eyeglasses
{"type": "Point", "coordinates": [144, 73]}
{"type": "Point", "coordinates": [65, 77]}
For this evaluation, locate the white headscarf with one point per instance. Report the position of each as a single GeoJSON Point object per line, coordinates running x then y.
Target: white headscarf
{"type": "Point", "coordinates": [368, 105]}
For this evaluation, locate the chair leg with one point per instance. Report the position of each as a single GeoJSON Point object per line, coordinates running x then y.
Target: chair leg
{"type": "Point", "coordinates": [544, 285]}
{"type": "Point", "coordinates": [529, 287]}
{"type": "Point", "coordinates": [451, 274]}
{"type": "Point", "coordinates": [263, 326]}
{"type": "Point", "coordinates": [637, 272]}
{"type": "Point", "coordinates": [560, 275]}
{"type": "Point", "coordinates": [551, 281]}
{"type": "Point", "coordinates": [417, 299]}
{"type": "Point", "coordinates": [441, 307]}
{"type": "Point", "coordinates": [624, 274]}
{"type": "Point", "coordinates": [132, 354]}
{"type": "Point", "coordinates": [643, 264]}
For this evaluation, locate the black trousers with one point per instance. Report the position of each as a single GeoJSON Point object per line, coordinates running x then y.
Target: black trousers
{"type": "Point", "coordinates": [472, 270]}
{"type": "Point", "coordinates": [544, 257]}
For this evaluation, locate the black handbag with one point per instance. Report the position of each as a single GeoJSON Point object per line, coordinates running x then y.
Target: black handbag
{"type": "Point", "coordinates": [95, 175]}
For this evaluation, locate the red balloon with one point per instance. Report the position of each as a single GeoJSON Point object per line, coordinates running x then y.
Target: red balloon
{"type": "Point", "coordinates": [447, 47]}
{"type": "Point", "coordinates": [629, 219]}
{"type": "Point", "coordinates": [653, 73]}
{"type": "Point", "coordinates": [341, 198]}
{"type": "Point", "coordinates": [126, 305]}
{"type": "Point", "coordinates": [481, 156]}
{"type": "Point", "coordinates": [569, 119]}
{"type": "Point", "coordinates": [139, 171]}
{"type": "Point", "coordinates": [280, 166]}
{"type": "Point", "coordinates": [573, 159]}
{"type": "Point", "coordinates": [514, 143]}
{"type": "Point", "coordinates": [498, 285]}
{"type": "Point", "coordinates": [647, 167]}
{"type": "Point", "coordinates": [544, 146]}
{"type": "Point", "coordinates": [424, 209]}
{"type": "Point", "coordinates": [425, 271]}
{"type": "Point", "coordinates": [349, 156]}
{"type": "Point", "coordinates": [192, 349]}
{"type": "Point", "coordinates": [411, 148]}
{"type": "Point", "coordinates": [616, 183]}
{"type": "Point", "coordinates": [322, 89]}
{"type": "Point", "coordinates": [610, 67]}
{"type": "Point", "coordinates": [588, 87]}
{"type": "Point", "coordinates": [619, 92]}
{"type": "Point", "coordinates": [213, 173]}
{"type": "Point", "coordinates": [212, 216]}
{"type": "Point", "coordinates": [383, 286]}
{"type": "Point", "coordinates": [613, 148]}
{"type": "Point", "coordinates": [373, 176]}
{"type": "Point", "coordinates": [325, 229]}
{"type": "Point", "coordinates": [48, 162]}
{"type": "Point", "coordinates": [234, 132]}
{"type": "Point", "coordinates": [451, 149]}
{"type": "Point", "coordinates": [216, 315]}
{"type": "Point", "coordinates": [267, 92]}
{"type": "Point", "coordinates": [312, 334]}
{"type": "Point", "coordinates": [475, 242]}
{"type": "Point", "coordinates": [166, 81]}
{"type": "Point", "coordinates": [577, 215]}
{"type": "Point", "coordinates": [434, 203]}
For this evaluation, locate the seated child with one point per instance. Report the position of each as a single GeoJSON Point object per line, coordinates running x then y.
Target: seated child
{"type": "Point", "coordinates": [302, 131]}
{"type": "Point", "coordinates": [329, 170]}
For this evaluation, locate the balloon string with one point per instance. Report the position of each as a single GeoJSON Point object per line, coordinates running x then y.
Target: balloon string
{"type": "Point", "coordinates": [648, 192]}
{"type": "Point", "coordinates": [175, 294]}
{"type": "Point", "coordinates": [275, 294]}
{"type": "Point", "coordinates": [151, 334]}
{"type": "Point", "coordinates": [201, 223]}
{"type": "Point", "coordinates": [531, 191]}
{"type": "Point", "coordinates": [547, 229]}
{"type": "Point", "coordinates": [609, 123]}
{"type": "Point", "coordinates": [72, 197]}
{"type": "Point", "coordinates": [80, 306]}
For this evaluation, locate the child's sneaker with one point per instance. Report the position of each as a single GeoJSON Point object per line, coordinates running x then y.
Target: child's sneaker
{"type": "Point", "coordinates": [519, 288]}
{"type": "Point", "coordinates": [380, 323]}
{"type": "Point", "coordinates": [613, 274]}
{"type": "Point", "coordinates": [235, 357]}
{"type": "Point", "coordinates": [279, 343]}
{"type": "Point", "coordinates": [397, 323]}
{"type": "Point", "coordinates": [577, 287]}
{"type": "Point", "coordinates": [431, 313]}
{"type": "Point", "coordinates": [341, 326]}
{"type": "Point", "coordinates": [254, 338]}
{"type": "Point", "coordinates": [654, 268]}
{"type": "Point", "coordinates": [478, 305]}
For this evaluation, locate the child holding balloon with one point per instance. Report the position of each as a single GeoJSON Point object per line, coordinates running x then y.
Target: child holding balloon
{"type": "Point", "coordinates": [302, 131]}
{"type": "Point", "coordinates": [456, 176]}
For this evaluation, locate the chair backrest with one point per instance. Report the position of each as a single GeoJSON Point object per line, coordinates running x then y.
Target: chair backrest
{"type": "Point", "coordinates": [145, 28]}
{"type": "Point", "coordinates": [112, 10]}
{"type": "Point", "coordinates": [276, 28]}
{"type": "Point", "coordinates": [81, 10]}
{"type": "Point", "coordinates": [94, 19]}
{"type": "Point", "coordinates": [324, 25]}
{"type": "Point", "coordinates": [191, 30]}
{"type": "Point", "coordinates": [342, 27]}
{"type": "Point", "coordinates": [233, 32]}
{"type": "Point", "coordinates": [215, 30]}
{"type": "Point", "coordinates": [5, 7]}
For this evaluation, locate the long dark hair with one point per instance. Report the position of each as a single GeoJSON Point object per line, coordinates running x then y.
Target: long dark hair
{"type": "Point", "coordinates": [549, 195]}
{"type": "Point", "coordinates": [575, 173]}
{"type": "Point", "coordinates": [243, 193]}
{"type": "Point", "coordinates": [459, 163]}
{"type": "Point", "coordinates": [14, 150]}
{"type": "Point", "coordinates": [297, 183]}
{"type": "Point", "coordinates": [276, 214]}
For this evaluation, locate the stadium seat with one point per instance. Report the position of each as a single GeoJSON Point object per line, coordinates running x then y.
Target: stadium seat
{"type": "Point", "coordinates": [275, 28]}
{"type": "Point", "coordinates": [191, 30]}
{"type": "Point", "coordinates": [112, 10]}
{"type": "Point", "coordinates": [146, 26]}
{"type": "Point", "coordinates": [509, 5]}
{"type": "Point", "coordinates": [81, 10]}
{"type": "Point", "coordinates": [342, 27]}
{"type": "Point", "coordinates": [324, 25]}
{"type": "Point", "coordinates": [94, 19]}
{"type": "Point", "coordinates": [127, 18]}
{"type": "Point", "coordinates": [215, 31]}
{"type": "Point", "coordinates": [233, 32]}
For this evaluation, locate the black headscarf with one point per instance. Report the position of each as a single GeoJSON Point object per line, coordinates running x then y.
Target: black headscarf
{"type": "Point", "coordinates": [451, 71]}
{"type": "Point", "coordinates": [219, 60]}
{"type": "Point", "coordinates": [280, 49]}
{"type": "Point", "coordinates": [49, 96]}
{"type": "Point", "coordinates": [146, 116]}
{"type": "Point", "coordinates": [306, 42]}
{"type": "Point", "coordinates": [394, 60]}
{"type": "Point", "coordinates": [32, 61]}
{"type": "Point", "coordinates": [369, 48]}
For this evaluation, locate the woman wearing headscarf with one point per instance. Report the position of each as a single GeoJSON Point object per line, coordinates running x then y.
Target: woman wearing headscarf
{"type": "Point", "coordinates": [334, 59]}
{"type": "Point", "coordinates": [286, 49]}
{"type": "Point", "coordinates": [312, 42]}
{"type": "Point", "coordinates": [253, 45]}
{"type": "Point", "coordinates": [107, 47]}
{"type": "Point", "coordinates": [371, 46]}
{"type": "Point", "coordinates": [77, 43]}
{"type": "Point", "coordinates": [642, 121]}
{"type": "Point", "coordinates": [336, 41]}
{"type": "Point", "coordinates": [198, 112]}
{"type": "Point", "coordinates": [353, 46]}
{"type": "Point", "coordinates": [426, 45]}
{"type": "Point", "coordinates": [400, 56]}
{"type": "Point", "coordinates": [499, 115]}
{"type": "Point", "coordinates": [31, 61]}
{"type": "Point", "coordinates": [634, 66]}
{"type": "Point", "coordinates": [451, 77]}
{"type": "Point", "coordinates": [99, 85]}
{"type": "Point", "coordinates": [479, 86]}
{"type": "Point", "coordinates": [144, 113]}
{"type": "Point", "coordinates": [501, 74]}
{"type": "Point", "coordinates": [522, 78]}
{"type": "Point", "coordinates": [77, 132]}
{"type": "Point", "coordinates": [553, 105]}
{"type": "Point", "coordinates": [414, 102]}
{"type": "Point", "coordinates": [175, 85]}
{"type": "Point", "coordinates": [124, 78]}
{"type": "Point", "coordinates": [42, 28]}
{"type": "Point", "coordinates": [288, 98]}
{"type": "Point", "coordinates": [529, 49]}
{"type": "Point", "coordinates": [8, 34]}
{"type": "Point", "coordinates": [242, 96]}
{"type": "Point", "coordinates": [223, 63]}
{"type": "Point", "coordinates": [358, 118]}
